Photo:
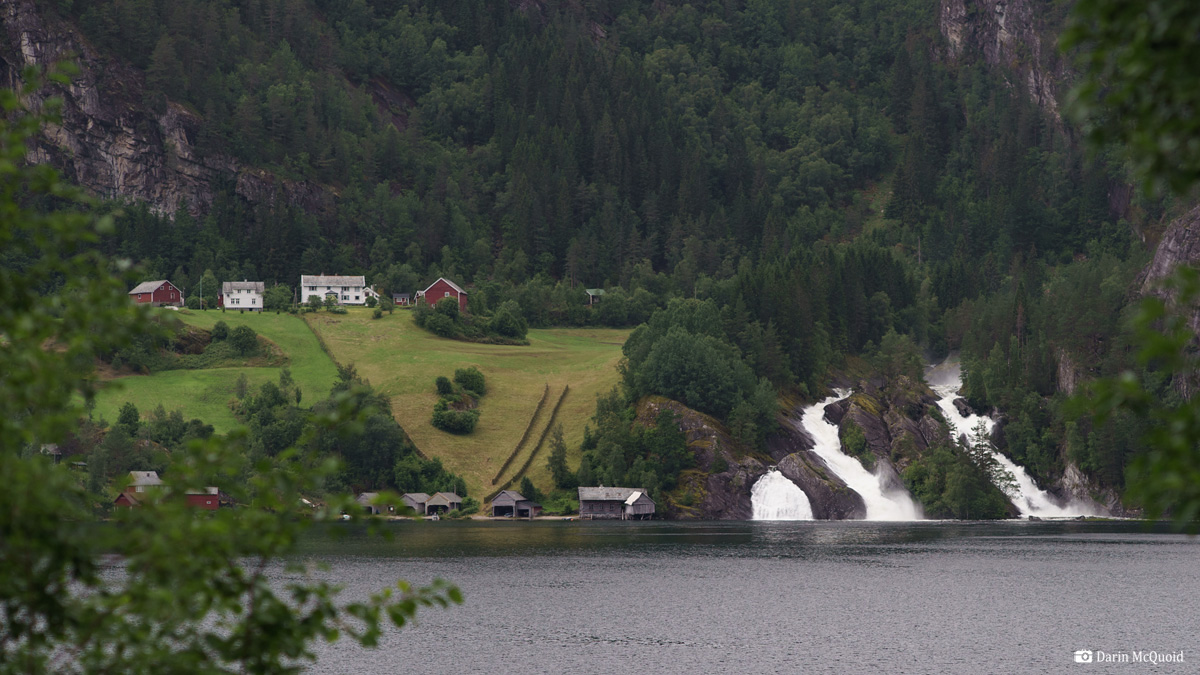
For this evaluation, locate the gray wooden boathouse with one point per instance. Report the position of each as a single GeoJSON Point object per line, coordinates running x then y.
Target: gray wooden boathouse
{"type": "Point", "coordinates": [514, 505]}
{"type": "Point", "coordinates": [615, 502]}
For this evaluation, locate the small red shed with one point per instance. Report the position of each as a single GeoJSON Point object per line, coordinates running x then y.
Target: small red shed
{"type": "Point", "coordinates": [157, 293]}
{"type": "Point", "coordinates": [444, 288]}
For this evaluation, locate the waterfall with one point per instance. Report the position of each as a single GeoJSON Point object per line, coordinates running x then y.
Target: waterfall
{"type": "Point", "coordinates": [881, 504]}
{"type": "Point", "coordinates": [775, 497]}
{"type": "Point", "coordinates": [946, 379]}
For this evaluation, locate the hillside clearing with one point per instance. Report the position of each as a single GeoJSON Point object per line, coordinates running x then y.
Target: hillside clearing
{"type": "Point", "coordinates": [205, 393]}
{"type": "Point", "coordinates": [402, 361]}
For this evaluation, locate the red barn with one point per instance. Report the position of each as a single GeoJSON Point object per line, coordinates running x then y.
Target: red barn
{"type": "Point", "coordinates": [209, 499]}
{"type": "Point", "coordinates": [157, 293]}
{"type": "Point", "coordinates": [444, 288]}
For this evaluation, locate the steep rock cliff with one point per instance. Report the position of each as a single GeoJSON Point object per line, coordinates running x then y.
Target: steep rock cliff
{"type": "Point", "coordinates": [1180, 245]}
{"type": "Point", "coordinates": [1019, 35]}
{"type": "Point", "coordinates": [108, 141]}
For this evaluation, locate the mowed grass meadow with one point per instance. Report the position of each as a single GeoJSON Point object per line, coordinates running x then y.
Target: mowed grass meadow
{"type": "Point", "coordinates": [205, 394]}
{"type": "Point", "coordinates": [402, 361]}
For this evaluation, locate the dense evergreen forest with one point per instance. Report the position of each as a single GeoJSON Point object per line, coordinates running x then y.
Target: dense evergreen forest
{"type": "Point", "coordinates": [811, 175]}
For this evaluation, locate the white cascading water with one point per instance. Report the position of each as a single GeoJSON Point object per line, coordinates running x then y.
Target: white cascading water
{"type": "Point", "coordinates": [775, 497]}
{"type": "Point", "coordinates": [881, 504]}
{"type": "Point", "coordinates": [946, 379]}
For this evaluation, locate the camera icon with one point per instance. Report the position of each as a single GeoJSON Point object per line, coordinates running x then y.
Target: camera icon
{"type": "Point", "coordinates": [1083, 656]}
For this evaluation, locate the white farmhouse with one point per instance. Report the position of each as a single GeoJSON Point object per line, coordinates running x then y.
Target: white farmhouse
{"type": "Point", "coordinates": [246, 295]}
{"type": "Point", "coordinates": [345, 289]}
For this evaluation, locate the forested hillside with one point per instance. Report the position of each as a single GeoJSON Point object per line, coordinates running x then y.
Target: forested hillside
{"type": "Point", "coordinates": [818, 172]}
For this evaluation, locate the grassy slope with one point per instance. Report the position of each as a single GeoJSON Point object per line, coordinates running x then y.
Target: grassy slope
{"type": "Point", "coordinates": [205, 393]}
{"type": "Point", "coordinates": [402, 361]}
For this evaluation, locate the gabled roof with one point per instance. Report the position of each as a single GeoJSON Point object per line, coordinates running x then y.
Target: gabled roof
{"type": "Point", "coordinates": [610, 494]}
{"type": "Point", "coordinates": [366, 497]}
{"type": "Point", "coordinates": [418, 497]}
{"type": "Point", "coordinates": [509, 494]}
{"type": "Point", "coordinates": [144, 478]}
{"type": "Point", "coordinates": [331, 280]}
{"type": "Point", "coordinates": [231, 286]}
{"type": "Point", "coordinates": [594, 291]}
{"type": "Point", "coordinates": [451, 283]}
{"type": "Point", "coordinates": [633, 498]}
{"type": "Point", "coordinates": [445, 496]}
{"type": "Point", "coordinates": [401, 295]}
{"type": "Point", "coordinates": [148, 286]}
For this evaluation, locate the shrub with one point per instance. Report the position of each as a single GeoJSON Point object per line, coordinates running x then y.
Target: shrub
{"type": "Point", "coordinates": [220, 331]}
{"type": "Point", "coordinates": [444, 387]}
{"type": "Point", "coordinates": [509, 322]}
{"type": "Point", "coordinates": [455, 421]}
{"type": "Point", "coordinates": [472, 380]}
{"type": "Point", "coordinates": [338, 309]}
{"type": "Point", "coordinates": [244, 340]}
{"type": "Point", "coordinates": [314, 302]}
{"type": "Point", "coordinates": [371, 301]}
{"type": "Point", "coordinates": [377, 314]}
{"type": "Point", "coordinates": [440, 325]}
{"type": "Point", "coordinates": [447, 307]}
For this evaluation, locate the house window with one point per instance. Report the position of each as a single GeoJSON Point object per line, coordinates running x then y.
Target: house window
{"type": "Point", "coordinates": [356, 297]}
{"type": "Point", "coordinates": [447, 294]}
{"type": "Point", "coordinates": [312, 288]}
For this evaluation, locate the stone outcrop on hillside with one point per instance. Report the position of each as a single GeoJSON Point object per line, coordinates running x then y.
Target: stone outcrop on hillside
{"type": "Point", "coordinates": [109, 141]}
{"type": "Point", "coordinates": [1012, 34]}
{"type": "Point", "coordinates": [1180, 245]}
{"type": "Point", "coordinates": [1075, 485]}
{"type": "Point", "coordinates": [895, 421]}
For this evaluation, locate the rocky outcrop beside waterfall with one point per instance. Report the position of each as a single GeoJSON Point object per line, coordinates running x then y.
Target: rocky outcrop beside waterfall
{"type": "Point", "coordinates": [111, 143]}
{"type": "Point", "coordinates": [895, 420]}
{"type": "Point", "coordinates": [1075, 486]}
{"type": "Point", "coordinates": [718, 488]}
{"type": "Point", "coordinates": [828, 495]}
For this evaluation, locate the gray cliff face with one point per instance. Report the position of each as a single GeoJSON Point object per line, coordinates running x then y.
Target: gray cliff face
{"type": "Point", "coordinates": [1075, 485]}
{"type": "Point", "coordinates": [1007, 33]}
{"type": "Point", "coordinates": [108, 141]}
{"type": "Point", "coordinates": [1180, 245]}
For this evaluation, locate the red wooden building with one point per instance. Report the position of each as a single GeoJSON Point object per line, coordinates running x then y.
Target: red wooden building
{"type": "Point", "coordinates": [143, 483]}
{"type": "Point", "coordinates": [157, 293]}
{"type": "Point", "coordinates": [444, 288]}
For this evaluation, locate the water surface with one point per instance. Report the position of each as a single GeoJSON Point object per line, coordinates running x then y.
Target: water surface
{"type": "Point", "coordinates": [815, 596]}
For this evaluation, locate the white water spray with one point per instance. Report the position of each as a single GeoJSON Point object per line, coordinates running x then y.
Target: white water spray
{"type": "Point", "coordinates": [775, 497]}
{"type": "Point", "coordinates": [946, 379]}
{"type": "Point", "coordinates": [881, 504]}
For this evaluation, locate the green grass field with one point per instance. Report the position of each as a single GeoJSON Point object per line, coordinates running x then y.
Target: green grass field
{"type": "Point", "coordinates": [402, 361]}
{"type": "Point", "coordinates": [206, 393]}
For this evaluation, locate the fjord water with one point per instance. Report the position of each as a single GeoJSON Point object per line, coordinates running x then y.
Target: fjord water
{"type": "Point", "coordinates": [751, 597]}
{"type": "Point", "coordinates": [946, 380]}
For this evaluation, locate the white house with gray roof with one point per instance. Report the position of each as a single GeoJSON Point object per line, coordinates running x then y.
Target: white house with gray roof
{"type": "Point", "coordinates": [245, 295]}
{"type": "Point", "coordinates": [347, 290]}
